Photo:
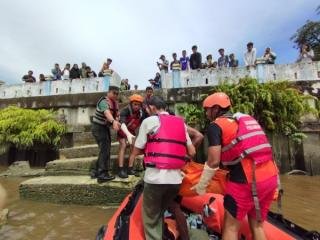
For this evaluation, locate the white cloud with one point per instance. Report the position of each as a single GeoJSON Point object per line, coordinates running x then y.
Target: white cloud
{"type": "Point", "coordinates": [35, 34]}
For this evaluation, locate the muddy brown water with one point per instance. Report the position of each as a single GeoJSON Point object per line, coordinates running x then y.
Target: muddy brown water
{"type": "Point", "coordinates": [45, 221]}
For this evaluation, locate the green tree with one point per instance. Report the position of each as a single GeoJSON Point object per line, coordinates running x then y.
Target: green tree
{"type": "Point", "coordinates": [25, 127]}
{"type": "Point", "coordinates": [309, 33]}
{"type": "Point", "coordinates": [278, 106]}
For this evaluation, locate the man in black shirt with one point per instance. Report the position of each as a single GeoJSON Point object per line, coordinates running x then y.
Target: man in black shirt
{"type": "Point", "coordinates": [195, 58]}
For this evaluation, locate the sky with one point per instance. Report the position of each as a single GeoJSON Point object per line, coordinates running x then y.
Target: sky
{"type": "Point", "coordinates": [35, 34]}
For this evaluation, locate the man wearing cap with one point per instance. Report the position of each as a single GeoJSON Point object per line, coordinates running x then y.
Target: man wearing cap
{"type": "Point", "coordinates": [105, 116]}
{"type": "Point", "coordinates": [164, 140]}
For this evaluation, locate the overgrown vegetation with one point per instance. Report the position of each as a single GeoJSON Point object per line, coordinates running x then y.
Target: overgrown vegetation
{"type": "Point", "coordinates": [278, 106]}
{"type": "Point", "coordinates": [25, 127]}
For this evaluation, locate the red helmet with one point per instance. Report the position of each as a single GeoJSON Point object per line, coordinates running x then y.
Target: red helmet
{"type": "Point", "coordinates": [136, 98]}
{"type": "Point", "coordinates": [219, 98]}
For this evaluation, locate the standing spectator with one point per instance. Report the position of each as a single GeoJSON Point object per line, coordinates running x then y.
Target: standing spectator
{"type": "Point", "coordinates": [306, 53]}
{"type": "Point", "coordinates": [83, 71]}
{"type": "Point", "coordinates": [66, 72]}
{"type": "Point", "coordinates": [75, 72]}
{"type": "Point", "coordinates": [223, 60]}
{"type": "Point", "coordinates": [135, 87]}
{"type": "Point", "coordinates": [250, 56]}
{"type": "Point", "coordinates": [106, 70]}
{"type": "Point", "coordinates": [209, 63]}
{"type": "Point", "coordinates": [184, 61]}
{"type": "Point", "coordinates": [29, 78]}
{"type": "Point", "coordinates": [233, 62]}
{"type": "Point", "coordinates": [90, 73]}
{"type": "Point", "coordinates": [195, 58]}
{"type": "Point", "coordinates": [42, 78]}
{"type": "Point", "coordinates": [106, 116]}
{"type": "Point", "coordinates": [164, 64]}
{"type": "Point", "coordinates": [175, 64]}
{"type": "Point", "coordinates": [156, 82]}
{"type": "Point", "coordinates": [268, 56]}
{"type": "Point", "coordinates": [162, 177]}
{"type": "Point", "coordinates": [56, 72]}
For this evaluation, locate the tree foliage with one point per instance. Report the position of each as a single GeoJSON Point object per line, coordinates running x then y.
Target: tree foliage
{"type": "Point", "coordinates": [193, 114]}
{"type": "Point", "coordinates": [278, 106]}
{"type": "Point", "coordinates": [25, 127]}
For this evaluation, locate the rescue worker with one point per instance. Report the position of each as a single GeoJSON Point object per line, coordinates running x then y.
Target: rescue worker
{"type": "Point", "coordinates": [253, 175]}
{"type": "Point", "coordinates": [106, 116]}
{"type": "Point", "coordinates": [164, 140]}
{"type": "Point", "coordinates": [132, 116]}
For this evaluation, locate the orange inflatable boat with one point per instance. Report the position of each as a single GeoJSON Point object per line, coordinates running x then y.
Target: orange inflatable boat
{"type": "Point", "coordinates": [126, 223]}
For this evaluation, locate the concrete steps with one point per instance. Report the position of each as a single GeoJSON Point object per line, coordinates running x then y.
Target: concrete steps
{"type": "Point", "coordinates": [83, 151]}
{"type": "Point", "coordinates": [76, 166]}
{"type": "Point", "coordinates": [77, 190]}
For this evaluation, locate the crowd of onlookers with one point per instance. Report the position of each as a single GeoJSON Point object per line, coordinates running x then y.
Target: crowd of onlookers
{"type": "Point", "coordinates": [69, 72]}
{"type": "Point", "coordinates": [195, 62]}
{"type": "Point", "coordinates": [184, 63]}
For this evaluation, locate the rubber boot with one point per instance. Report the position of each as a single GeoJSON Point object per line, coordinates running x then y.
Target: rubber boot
{"type": "Point", "coordinates": [132, 172]}
{"type": "Point", "coordinates": [105, 178]}
{"type": "Point", "coordinates": [122, 173]}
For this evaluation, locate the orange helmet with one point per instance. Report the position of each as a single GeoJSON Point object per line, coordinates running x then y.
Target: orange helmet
{"type": "Point", "coordinates": [219, 98]}
{"type": "Point", "coordinates": [136, 98]}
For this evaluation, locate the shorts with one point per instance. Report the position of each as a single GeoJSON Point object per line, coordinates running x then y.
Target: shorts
{"type": "Point", "coordinates": [238, 200]}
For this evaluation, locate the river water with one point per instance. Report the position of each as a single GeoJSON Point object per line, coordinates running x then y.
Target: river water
{"type": "Point", "coordinates": [45, 221]}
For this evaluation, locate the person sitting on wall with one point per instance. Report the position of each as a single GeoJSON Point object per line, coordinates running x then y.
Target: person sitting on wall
{"type": "Point", "coordinates": [106, 70]}
{"type": "Point", "coordinates": [90, 73]}
{"type": "Point", "coordinates": [156, 82]}
{"type": "Point", "coordinates": [269, 57]}
{"type": "Point", "coordinates": [233, 62]}
{"type": "Point", "coordinates": [29, 78]}
{"type": "Point", "coordinates": [209, 63]}
{"type": "Point", "coordinates": [132, 116]}
{"type": "Point", "coordinates": [124, 85]}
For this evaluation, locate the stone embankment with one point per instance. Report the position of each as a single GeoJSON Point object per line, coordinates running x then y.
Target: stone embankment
{"type": "Point", "coordinates": [67, 180]}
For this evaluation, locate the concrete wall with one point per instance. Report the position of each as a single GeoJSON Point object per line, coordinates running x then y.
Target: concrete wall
{"type": "Point", "coordinates": [263, 72]}
{"type": "Point", "coordinates": [60, 87]}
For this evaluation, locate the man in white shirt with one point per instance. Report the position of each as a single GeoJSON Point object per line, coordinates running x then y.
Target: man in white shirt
{"type": "Point", "coordinates": [164, 140]}
{"type": "Point", "coordinates": [250, 56]}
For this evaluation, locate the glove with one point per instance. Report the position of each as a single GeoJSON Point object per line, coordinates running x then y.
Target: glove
{"type": "Point", "coordinates": [205, 178]}
{"type": "Point", "coordinates": [125, 130]}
